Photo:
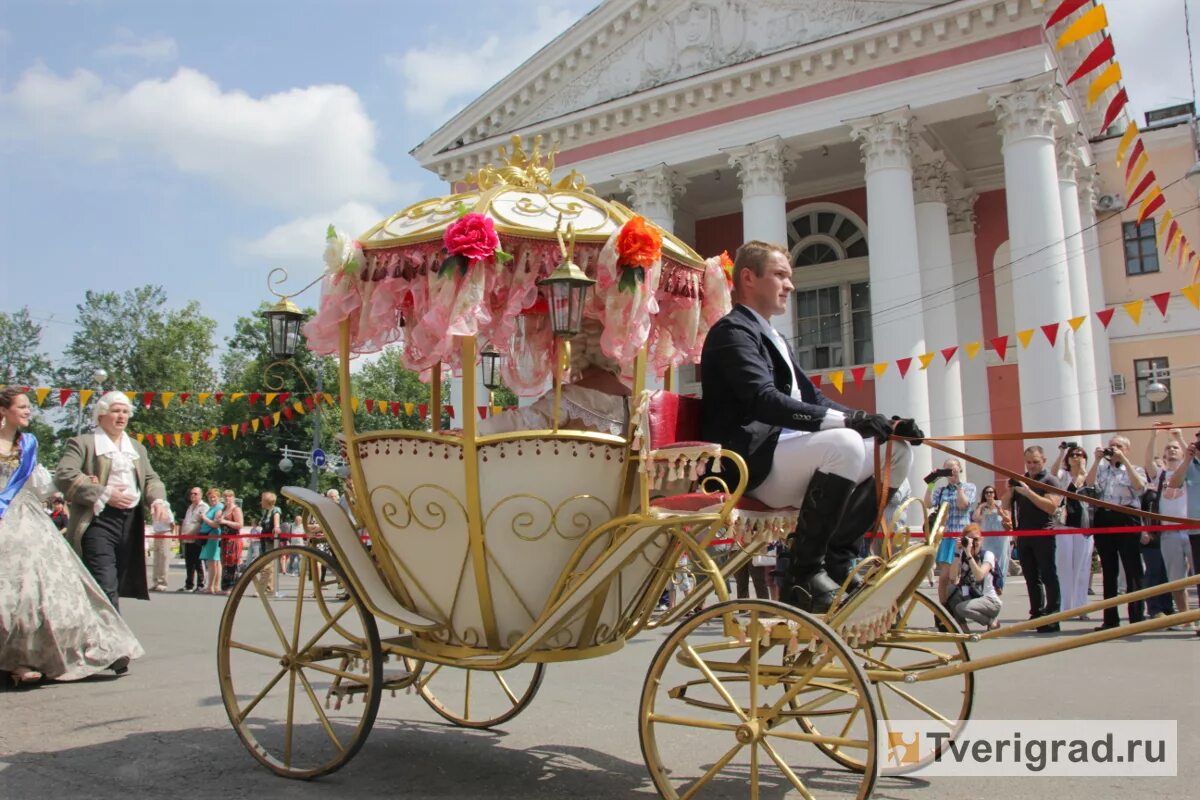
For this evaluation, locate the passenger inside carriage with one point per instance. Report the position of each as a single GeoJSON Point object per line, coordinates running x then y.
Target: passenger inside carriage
{"type": "Point", "coordinates": [596, 399]}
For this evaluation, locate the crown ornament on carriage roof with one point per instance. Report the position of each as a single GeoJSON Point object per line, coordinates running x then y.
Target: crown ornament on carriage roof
{"type": "Point", "coordinates": [528, 171]}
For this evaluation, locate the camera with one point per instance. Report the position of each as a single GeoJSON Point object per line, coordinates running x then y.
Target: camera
{"type": "Point", "coordinates": [938, 473]}
{"type": "Point", "coordinates": [1013, 483]}
{"type": "Point", "coordinates": [1068, 445]}
{"type": "Point", "coordinates": [1108, 452]}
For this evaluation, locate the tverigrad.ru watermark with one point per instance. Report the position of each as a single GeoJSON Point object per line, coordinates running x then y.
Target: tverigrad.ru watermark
{"type": "Point", "coordinates": [1034, 747]}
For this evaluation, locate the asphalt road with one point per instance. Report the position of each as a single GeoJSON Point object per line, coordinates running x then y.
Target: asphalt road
{"type": "Point", "coordinates": [161, 730]}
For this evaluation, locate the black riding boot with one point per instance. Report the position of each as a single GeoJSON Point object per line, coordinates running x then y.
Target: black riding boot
{"type": "Point", "coordinates": [861, 515]}
{"type": "Point", "coordinates": [803, 580]}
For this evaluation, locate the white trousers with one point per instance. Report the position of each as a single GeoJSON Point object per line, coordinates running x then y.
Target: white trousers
{"type": "Point", "coordinates": [162, 560]}
{"type": "Point", "coordinates": [839, 451]}
{"type": "Point", "coordinates": [1073, 561]}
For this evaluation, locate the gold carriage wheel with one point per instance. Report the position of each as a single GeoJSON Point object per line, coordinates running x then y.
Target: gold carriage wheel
{"type": "Point", "coordinates": [935, 700]}
{"type": "Point", "coordinates": [476, 698]}
{"type": "Point", "coordinates": [300, 687]}
{"type": "Point", "coordinates": [716, 717]}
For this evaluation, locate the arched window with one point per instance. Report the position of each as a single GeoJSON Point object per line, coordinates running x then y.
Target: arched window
{"type": "Point", "coordinates": [828, 246]}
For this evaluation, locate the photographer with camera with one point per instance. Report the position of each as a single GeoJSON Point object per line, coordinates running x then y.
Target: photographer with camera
{"type": "Point", "coordinates": [993, 519]}
{"type": "Point", "coordinates": [974, 598]}
{"type": "Point", "coordinates": [1073, 551]}
{"type": "Point", "coordinates": [1116, 480]}
{"type": "Point", "coordinates": [1173, 500]}
{"type": "Point", "coordinates": [1034, 509]}
{"type": "Point", "coordinates": [958, 495]}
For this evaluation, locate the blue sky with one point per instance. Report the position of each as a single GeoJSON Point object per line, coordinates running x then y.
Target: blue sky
{"type": "Point", "coordinates": [198, 144]}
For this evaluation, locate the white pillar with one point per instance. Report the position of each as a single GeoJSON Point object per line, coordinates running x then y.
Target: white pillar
{"type": "Point", "coordinates": [1101, 356]}
{"type": "Point", "coordinates": [760, 168]}
{"type": "Point", "coordinates": [1026, 112]}
{"type": "Point", "coordinates": [968, 317]}
{"type": "Point", "coordinates": [653, 191]}
{"type": "Point", "coordinates": [896, 324]}
{"type": "Point", "coordinates": [1080, 342]}
{"type": "Point", "coordinates": [937, 288]}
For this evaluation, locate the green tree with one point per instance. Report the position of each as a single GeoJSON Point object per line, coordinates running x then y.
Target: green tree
{"type": "Point", "coordinates": [386, 378]}
{"type": "Point", "coordinates": [22, 363]}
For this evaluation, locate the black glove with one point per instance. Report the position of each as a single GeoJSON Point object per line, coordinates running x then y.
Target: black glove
{"type": "Point", "coordinates": [867, 425]}
{"type": "Point", "coordinates": [908, 427]}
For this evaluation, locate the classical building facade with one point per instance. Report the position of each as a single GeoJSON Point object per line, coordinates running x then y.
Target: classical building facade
{"type": "Point", "coordinates": [934, 181]}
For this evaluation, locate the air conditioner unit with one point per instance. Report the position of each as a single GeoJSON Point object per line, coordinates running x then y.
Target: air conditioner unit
{"type": "Point", "coordinates": [1110, 202]}
{"type": "Point", "coordinates": [1116, 384]}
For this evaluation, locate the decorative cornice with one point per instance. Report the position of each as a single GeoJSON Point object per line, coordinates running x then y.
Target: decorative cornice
{"type": "Point", "coordinates": [961, 211]}
{"type": "Point", "coordinates": [761, 166]}
{"type": "Point", "coordinates": [1026, 109]}
{"type": "Point", "coordinates": [931, 184]}
{"type": "Point", "coordinates": [1067, 151]}
{"type": "Point", "coordinates": [884, 139]}
{"type": "Point", "coordinates": [1087, 178]}
{"type": "Point", "coordinates": [653, 191]}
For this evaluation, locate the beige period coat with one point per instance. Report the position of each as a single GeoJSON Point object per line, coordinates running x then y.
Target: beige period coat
{"type": "Point", "coordinates": [81, 476]}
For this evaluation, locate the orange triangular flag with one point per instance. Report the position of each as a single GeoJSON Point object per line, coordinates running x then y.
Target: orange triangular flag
{"type": "Point", "coordinates": [354, 403]}
{"type": "Point", "coordinates": [1164, 225]}
{"type": "Point", "coordinates": [1134, 310]}
{"type": "Point", "coordinates": [203, 397]}
{"type": "Point", "coordinates": [837, 378]}
{"type": "Point", "coordinates": [1093, 21]}
{"type": "Point", "coordinates": [1192, 293]}
{"type": "Point", "coordinates": [1131, 131]}
{"type": "Point", "coordinates": [1025, 337]}
{"type": "Point", "coordinates": [299, 406]}
{"type": "Point", "coordinates": [158, 439]}
{"type": "Point", "coordinates": [236, 396]}
{"type": "Point", "coordinates": [275, 418]}
{"type": "Point", "coordinates": [408, 409]}
{"type": "Point", "coordinates": [40, 394]}
{"type": "Point", "coordinates": [140, 437]}
{"type": "Point", "coordinates": [328, 399]}
{"type": "Point", "coordinates": [925, 359]}
{"type": "Point", "coordinates": [1105, 79]}
{"type": "Point", "coordinates": [84, 396]}
{"type": "Point", "coordinates": [1075, 322]}
{"type": "Point", "coordinates": [271, 397]}
{"type": "Point", "coordinates": [254, 424]}
{"type": "Point", "coordinates": [973, 349]}
{"type": "Point", "coordinates": [880, 368]}
{"type": "Point", "coordinates": [166, 397]}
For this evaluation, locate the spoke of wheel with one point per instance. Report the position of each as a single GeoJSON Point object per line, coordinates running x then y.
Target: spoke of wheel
{"type": "Point", "coordinates": [429, 676]}
{"type": "Point", "coordinates": [786, 770]}
{"type": "Point", "coordinates": [753, 677]}
{"type": "Point", "coordinates": [299, 611]}
{"type": "Point", "coordinates": [249, 648]}
{"type": "Point", "coordinates": [262, 596]}
{"type": "Point", "coordinates": [713, 770]}
{"type": "Point", "coordinates": [716, 684]}
{"type": "Point", "coordinates": [328, 624]}
{"type": "Point", "coordinates": [817, 738]}
{"type": "Point", "coordinates": [668, 719]}
{"type": "Point", "coordinates": [287, 732]}
{"type": "Point", "coordinates": [813, 705]}
{"type": "Point", "coordinates": [258, 698]}
{"type": "Point", "coordinates": [512, 698]}
{"type": "Point", "coordinates": [467, 696]}
{"type": "Point", "coordinates": [931, 712]}
{"type": "Point", "coordinates": [754, 770]}
{"type": "Point", "coordinates": [312, 697]}
{"type": "Point", "coordinates": [350, 676]}
{"type": "Point", "coordinates": [801, 682]}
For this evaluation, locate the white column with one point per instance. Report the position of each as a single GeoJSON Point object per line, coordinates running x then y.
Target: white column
{"type": "Point", "coordinates": [937, 287]}
{"type": "Point", "coordinates": [1080, 342]}
{"type": "Point", "coordinates": [897, 328]}
{"type": "Point", "coordinates": [761, 167]}
{"type": "Point", "coordinates": [1026, 112]}
{"type": "Point", "coordinates": [1101, 356]}
{"type": "Point", "coordinates": [653, 191]}
{"type": "Point", "coordinates": [977, 411]}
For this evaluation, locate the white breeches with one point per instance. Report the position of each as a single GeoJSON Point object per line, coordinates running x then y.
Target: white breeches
{"type": "Point", "coordinates": [1073, 562]}
{"type": "Point", "coordinates": [839, 451]}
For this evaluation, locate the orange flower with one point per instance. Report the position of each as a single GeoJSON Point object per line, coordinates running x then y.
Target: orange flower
{"type": "Point", "coordinates": [727, 266]}
{"type": "Point", "coordinates": [638, 244]}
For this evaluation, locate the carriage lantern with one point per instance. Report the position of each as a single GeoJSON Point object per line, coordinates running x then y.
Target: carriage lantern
{"type": "Point", "coordinates": [568, 286]}
{"type": "Point", "coordinates": [490, 368]}
{"type": "Point", "coordinates": [283, 328]}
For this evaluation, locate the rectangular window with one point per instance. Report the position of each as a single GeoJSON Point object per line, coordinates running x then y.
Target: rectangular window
{"type": "Point", "coordinates": [1152, 371]}
{"type": "Point", "coordinates": [833, 321]}
{"type": "Point", "coordinates": [1141, 248]}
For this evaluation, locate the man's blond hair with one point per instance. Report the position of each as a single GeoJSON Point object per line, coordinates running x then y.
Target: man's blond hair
{"type": "Point", "coordinates": [753, 256]}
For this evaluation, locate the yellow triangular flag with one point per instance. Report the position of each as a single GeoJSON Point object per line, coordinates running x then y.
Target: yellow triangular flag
{"type": "Point", "coordinates": [203, 397]}
{"type": "Point", "coordinates": [195, 438]}
{"type": "Point", "coordinates": [275, 418]}
{"type": "Point", "coordinates": [298, 407]}
{"type": "Point", "coordinates": [1026, 337]}
{"type": "Point", "coordinates": [1131, 131]}
{"type": "Point", "coordinates": [236, 396]}
{"type": "Point", "coordinates": [1134, 310]}
{"type": "Point", "coordinates": [1176, 238]}
{"type": "Point", "coordinates": [84, 396]}
{"type": "Point", "coordinates": [381, 406]}
{"type": "Point", "coordinates": [1135, 175]}
{"type": "Point", "coordinates": [166, 397]}
{"type": "Point", "coordinates": [1104, 80]}
{"type": "Point", "coordinates": [354, 403]}
{"type": "Point", "coordinates": [40, 394]}
{"type": "Point", "coordinates": [408, 409]}
{"type": "Point", "coordinates": [1163, 225]}
{"type": "Point", "coordinates": [1192, 293]}
{"type": "Point", "coordinates": [141, 437]}
{"type": "Point", "coordinates": [233, 431]}
{"type": "Point", "coordinates": [328, 399]}
{"type": "Point", "coordinates": [271, 397]}
{"type": "Point", "coordinates": [973, 349]}
{"type": "Point", "coordinates": [497, 409]}
{"type": "Point", "coordinates": [158, 439]}
{"type": "Point", "coordinates": [1144, 208]}
{"type": "Point", "coordinates": [925, 359]}
{"type": "Point", "coordinates": [254, 423]}
{"type": "Point", "coordinates": [880, 368]}
{"type": "Point", "coordinates": [1075, 322]}
{"type": "Point", "coordinates": [1093, 21]}
{"type": "Point", "coordinates": [837, 378]}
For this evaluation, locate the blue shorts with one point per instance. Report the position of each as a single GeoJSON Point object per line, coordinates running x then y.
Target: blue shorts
{"type": "Point", "coordinates": [945, 553]}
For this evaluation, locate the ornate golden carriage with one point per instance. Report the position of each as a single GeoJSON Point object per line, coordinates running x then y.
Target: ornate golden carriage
{"type": "Point", "coordinates": [492, 555]}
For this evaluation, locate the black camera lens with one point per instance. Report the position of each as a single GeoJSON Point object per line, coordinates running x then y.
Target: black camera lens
{"type": "Point", "coordinates": [1108, 452]}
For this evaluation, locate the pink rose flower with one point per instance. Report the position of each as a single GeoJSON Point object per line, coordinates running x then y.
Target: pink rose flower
{"type": "Point", "coordinates": [472, 236]}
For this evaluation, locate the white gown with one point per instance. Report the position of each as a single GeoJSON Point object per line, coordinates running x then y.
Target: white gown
{"type": "Point", "coordinates": [54, 618]}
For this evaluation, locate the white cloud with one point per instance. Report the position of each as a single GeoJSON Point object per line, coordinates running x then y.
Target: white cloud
{"type": "Point", "coordinates": [440, 77]}
{"type": "Point", "coordinates": [155, 48]}
{"type": "Point", "coordinates": [299, 150]}
{"type": "Point", "coordinates": [1151, 47]}
{"type": "Point", "coordinates": [302, 240]}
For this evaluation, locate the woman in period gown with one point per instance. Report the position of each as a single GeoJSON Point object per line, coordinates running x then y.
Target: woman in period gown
{"type": "Point", "coordinates": [55, 621]}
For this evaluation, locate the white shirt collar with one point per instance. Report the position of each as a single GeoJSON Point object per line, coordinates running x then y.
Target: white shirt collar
{"type": "Point", "coordinates": [105, 446]}
{"type": "Point", "coordinates": [761, 319]}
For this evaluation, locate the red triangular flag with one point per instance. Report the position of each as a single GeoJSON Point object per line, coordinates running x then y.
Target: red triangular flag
{"type": "Point", "coordinates": [147, 398]}
{"type": "Point", "coordinates": [1102, 53]}
{"type": "Point", "coordinates": [267, 421]}
{"type": "Point", "coordinates": [903, 364]}
{"type": "Point", "coordinates": [283, 397]}
{"type": "Point", "coordinates": [288, 413]}
{"type": "Point", "coordinates": [816, 381]}
{"type": "Point", "coordinates": [1065, 9]}
{"type": "Point", "coordinates": [1105, 316]}
{"type": "Point", "coordinates": [187, 439]}
{"type": "Point", "coordinates": [219, 396]}
{"type": "Point", "coordinates": [63, 394]}
{"type": "Point", "coordinates": [1161, 299]}
{"type": "Point", "coordinates": [370, 405]}
{"type": "Point", "coordinates": [395, 408]}
{"type": "Point", "coordinates": [1144, 184]}
{"type": "Point", "coordinates": [148, 441]}
{"type": "Point", "coordinates": [449, 411]}
{"type": "Point", "coordinates": [310, 403]}
{"type": "Point", "coordinates": [1138, 149]}
{"type": "Point", "coordinates": [1114, 108]}
{"type": "Point", "coordinates": [245, 428]}
{"type": "Point", "coordinates": [1154, 205]}
{"type": "Point", "coordinates": [255, 397]}
{"type": "Point", "coordinates": [482, 411]}
{"type": "Point", "coordinates": [948, 353]}
{"type": "Point", "coordinates": [169, 438]}
{"type": "Point", "coordinates": [1051, 332]}
{"type": "Point", "coordinates": [857, 373]}
{"type": "Point", "coordinates": [205, 435]}
{"type": "Point", "coordinates": [1000, 345]}
{"type": "Point", "coordinates": [183, 396]}
{"type": "Point", "coordinates": [225, 430]}
{"type": "Point", "coordinates": [424, 409]}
